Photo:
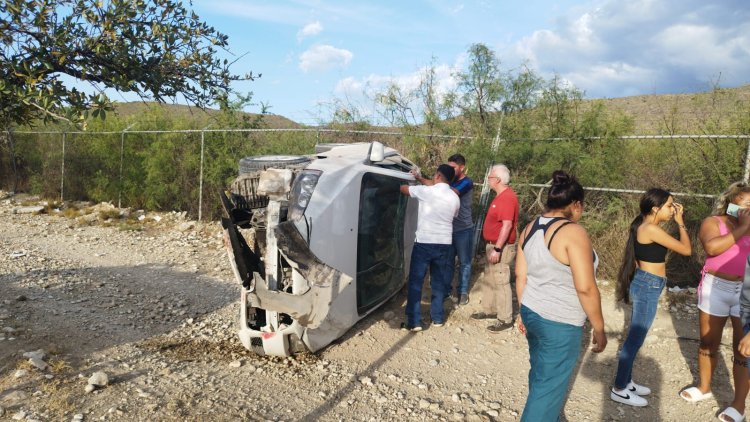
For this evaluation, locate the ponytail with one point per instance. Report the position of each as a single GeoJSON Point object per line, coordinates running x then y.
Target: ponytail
{"type": "Point", "coordinates": [627, 268]}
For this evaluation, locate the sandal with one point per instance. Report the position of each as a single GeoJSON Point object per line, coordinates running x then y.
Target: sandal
{"type": "Point", "coordinates": [730, 414]}
{"type": "Point", "coordinates": [694, 394]}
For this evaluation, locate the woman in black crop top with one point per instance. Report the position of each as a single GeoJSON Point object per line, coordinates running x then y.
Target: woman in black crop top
{"type": "Point", "coordinates": [641, 280]}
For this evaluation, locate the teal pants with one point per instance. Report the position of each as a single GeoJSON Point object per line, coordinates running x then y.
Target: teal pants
{"type": "Point", "coordinates": [553, 352]}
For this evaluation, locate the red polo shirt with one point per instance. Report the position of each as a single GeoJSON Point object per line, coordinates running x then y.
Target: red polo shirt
{"type": "Point", "coordinates": [503, 207]}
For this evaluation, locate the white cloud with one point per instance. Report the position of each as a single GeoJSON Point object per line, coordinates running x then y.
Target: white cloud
{"type": "Point", "coordinates": [645, 46]}
{"type": "Point", "coordinates": [324, 57]}
{"type": "Point", "coordinates": [310, 29]}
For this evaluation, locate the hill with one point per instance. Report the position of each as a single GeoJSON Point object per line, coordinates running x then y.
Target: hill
{"type": "Point", "coordinates": [684, 113]}
{"type": "Point", "coordinates": [200, 117]}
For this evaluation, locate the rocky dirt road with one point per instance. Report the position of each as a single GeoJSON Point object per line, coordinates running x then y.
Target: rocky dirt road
{"type": "Point", "coordinates": [137, 323]}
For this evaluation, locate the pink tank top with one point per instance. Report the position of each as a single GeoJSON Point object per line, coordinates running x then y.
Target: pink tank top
{"type": "Point", "coordinates": [732, 260]}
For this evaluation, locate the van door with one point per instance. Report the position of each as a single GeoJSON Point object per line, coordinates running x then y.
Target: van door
{"type": "Point", "coordinates": [380, 240]}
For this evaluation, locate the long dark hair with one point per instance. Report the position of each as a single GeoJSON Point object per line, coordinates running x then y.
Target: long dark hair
{"type": "Point", "coordinates": [564, 191]}
{"type": "Point", "coordinates": [654, 197]}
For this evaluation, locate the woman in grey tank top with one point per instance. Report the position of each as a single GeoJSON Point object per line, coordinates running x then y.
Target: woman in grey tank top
{"type": "Point", "coordinates": [556, 287]}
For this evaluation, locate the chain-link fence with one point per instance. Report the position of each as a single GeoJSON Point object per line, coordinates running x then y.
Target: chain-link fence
{"type": "Point", "coordinates": [183, 169]}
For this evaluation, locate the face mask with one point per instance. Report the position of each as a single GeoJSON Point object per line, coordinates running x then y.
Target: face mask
{"type": "Point", "coordinates": [732, 209]}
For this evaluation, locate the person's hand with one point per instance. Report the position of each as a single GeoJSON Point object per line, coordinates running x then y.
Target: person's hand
{"type": "Point", "coordinates": [519, 325]}
{"type": "Point", "coordinates": [415, 172]}
{"type": "Point", "coordinates": [743, 217]}
{"type": "Point", "coordinates": [494, 257]}
{"type": "Point", "coordinates": [744, 346]}
{"type": "Point", "coordinates": [678, 210]}
{"type": "Point", "coordinates": [598, 341]}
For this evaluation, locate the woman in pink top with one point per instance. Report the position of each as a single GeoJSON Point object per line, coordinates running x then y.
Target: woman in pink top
{"type": "Point", "coordinates": [726, 239]}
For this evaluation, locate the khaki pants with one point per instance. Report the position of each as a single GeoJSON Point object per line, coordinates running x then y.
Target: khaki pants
{"type": "Point", "coordinates": [495, 289]}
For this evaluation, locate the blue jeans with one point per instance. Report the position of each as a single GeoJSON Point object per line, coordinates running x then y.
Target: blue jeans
{"type": "Point", "coordinates": [645, 290]}
{"type": "Point", "coordinates": [462, 241]}
{"type": "Point", "coordinates": [553, 352]}
{"type": "Point", "coordinates": [436, 257]}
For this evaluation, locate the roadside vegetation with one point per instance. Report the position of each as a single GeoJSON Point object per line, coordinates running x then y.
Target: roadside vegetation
{"type": "Point", "coordinates": [493, 114]}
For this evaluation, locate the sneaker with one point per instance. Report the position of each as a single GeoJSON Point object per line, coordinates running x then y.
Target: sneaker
{"type": "Point", "coordinates": [412, 328]}
{"type": "Point", "coordinates": [627, 397]}
{"type": "Point", "coordinates": [499, 326]}
{"type": "Point", "coordinates": [638, 389]}
{"type": "Point", "coordinates": [464, 299]}
{"type": "Point", "coordinates": [482, 315]}
{"type": "Point", "coordinates": [437, 324]}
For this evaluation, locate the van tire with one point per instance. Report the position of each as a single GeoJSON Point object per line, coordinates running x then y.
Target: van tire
{"type": "Point", "coordinates": [262, 162]}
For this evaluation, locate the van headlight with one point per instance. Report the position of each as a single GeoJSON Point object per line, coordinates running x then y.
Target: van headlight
{"type": "Point", "coordinates": [302, 190]}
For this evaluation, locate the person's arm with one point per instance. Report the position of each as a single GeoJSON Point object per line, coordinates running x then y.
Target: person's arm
{"type": "Point", "coordinates": [681, 246]}
{"type": "Point", "coordinates": [494, 257]}
{"type": "Point", "coordinates": [405, 190]}
{"type": "Point", "coordinates": [421, 179]}
{"type": "Point", "coordinates": [714, 243]}
{"type": "Point", "coordinates": [581, 259]}
{"type": "Point", "coordinates": [521, 272]}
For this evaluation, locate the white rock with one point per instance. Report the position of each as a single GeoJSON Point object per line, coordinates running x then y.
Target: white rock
{"type": "Point", "coordinates": [78, 417]}
{"type": "Point", "coordinates": [99, 379]}
{"type": "Point", "coordinates": [21, 373]}
{"type": "Point", "coordinates": [38, 363]}
{"type": "Point", "coordinates": [494, 405]}
{"type": "Point", "coordinates": [365, 380]}
{"type": "Point", "coordinates": [455, 398]}
{"type": "Point", "coordinates": [39, 354]}
{"type": "Point", "coordinates": [235, 364]}
{"type": "Point", "coordinates": [89, 388]}
{"type": "Point", "coordinates": [424, 404]}
{"type": "Point", "coordinates": [21, 415]}
{"type": "Point", "coordinates": [14, 398]}
{"type": "Point", "coordinates": [434, 362]}
{"type": "Point", "coordinates": [493, 413]}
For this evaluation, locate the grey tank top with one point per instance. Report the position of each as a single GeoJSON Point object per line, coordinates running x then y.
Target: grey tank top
{"type": "Point", "coordinates": [550, 291]}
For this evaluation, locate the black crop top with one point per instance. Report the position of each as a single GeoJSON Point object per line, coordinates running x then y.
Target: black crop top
{"type": "Point", "coordinates": [650, 252]}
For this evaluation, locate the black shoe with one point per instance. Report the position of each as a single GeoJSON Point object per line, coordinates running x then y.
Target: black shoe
{"type": "Point", "coordinates": [412, 328]}
{"type": "Point", "coordinates": [482, 315]}
{"type": "Point", "coordinates": [499, 326]}
{"type": "Point", "coordinates": [464, 299]}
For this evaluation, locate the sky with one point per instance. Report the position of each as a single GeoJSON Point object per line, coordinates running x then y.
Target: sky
{"type": "Point", "coordinates": [312, 53]}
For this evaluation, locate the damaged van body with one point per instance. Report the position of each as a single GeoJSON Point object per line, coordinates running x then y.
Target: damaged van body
{"type": "Point", "coordinates": [317, 242]}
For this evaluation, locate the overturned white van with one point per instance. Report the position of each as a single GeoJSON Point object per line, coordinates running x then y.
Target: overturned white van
{"type": "Point", "coordinates": [317, 242]}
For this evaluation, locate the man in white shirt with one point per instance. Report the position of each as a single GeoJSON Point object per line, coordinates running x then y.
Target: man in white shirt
{"type": "Point", "coordinates": [438, 205]}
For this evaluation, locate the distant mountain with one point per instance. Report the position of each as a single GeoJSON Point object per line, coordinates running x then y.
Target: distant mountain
{"type": "Point", "coordinates": [685, 113]}
{"type": "Point", "coordinates": [197, 115]}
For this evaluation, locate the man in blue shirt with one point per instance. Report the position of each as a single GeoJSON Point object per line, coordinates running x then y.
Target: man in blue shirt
{"type": "Point", "coordinates": [463, 227]}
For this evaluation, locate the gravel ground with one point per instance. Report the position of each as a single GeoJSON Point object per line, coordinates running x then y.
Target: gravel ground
{"type": "Point", "coordinates": [106, 320]}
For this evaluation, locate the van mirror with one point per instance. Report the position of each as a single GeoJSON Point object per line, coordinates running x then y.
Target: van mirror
{"type": "Point", "coordinates": [377, 152]}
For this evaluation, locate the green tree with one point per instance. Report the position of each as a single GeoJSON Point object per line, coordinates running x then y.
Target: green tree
{"type": "Point", "coordinates": [157, 49]}
{"type": "Point", "coordinates": [482, 86]}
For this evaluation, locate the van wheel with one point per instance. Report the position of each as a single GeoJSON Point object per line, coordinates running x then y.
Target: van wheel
{"type": "Point", "coordinates": [262, 162]}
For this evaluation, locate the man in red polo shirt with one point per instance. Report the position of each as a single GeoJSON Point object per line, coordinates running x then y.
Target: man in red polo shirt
{"type": "Point", "coordinates": [499, 231]}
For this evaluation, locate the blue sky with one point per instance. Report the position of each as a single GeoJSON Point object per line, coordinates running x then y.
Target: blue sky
{"type": "Point", "coordinates": [313, 52]}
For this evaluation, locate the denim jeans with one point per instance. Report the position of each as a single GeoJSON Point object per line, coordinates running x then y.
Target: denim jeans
{"type": "Point", "coordinates": [645, 290]}
{"type": "Point", "coordinates": [436, 257]}
{"type": "Point", "coordinates": [553, 352]}
{"type": "Point", "coordinates": [462, 241]}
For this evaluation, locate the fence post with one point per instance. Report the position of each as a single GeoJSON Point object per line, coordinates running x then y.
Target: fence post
{"type": "Point", "coordinates": [200, 183]}
{"type": "Point", "coordinates": [746, 178]}
{"type": "Point", "coordinates": [122, 155]}
{"type": "Point", "coordinates": [62, 169]}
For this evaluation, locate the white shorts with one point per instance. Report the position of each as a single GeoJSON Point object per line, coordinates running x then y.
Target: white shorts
{"type": "Point", "coordinates": [719, 297]}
